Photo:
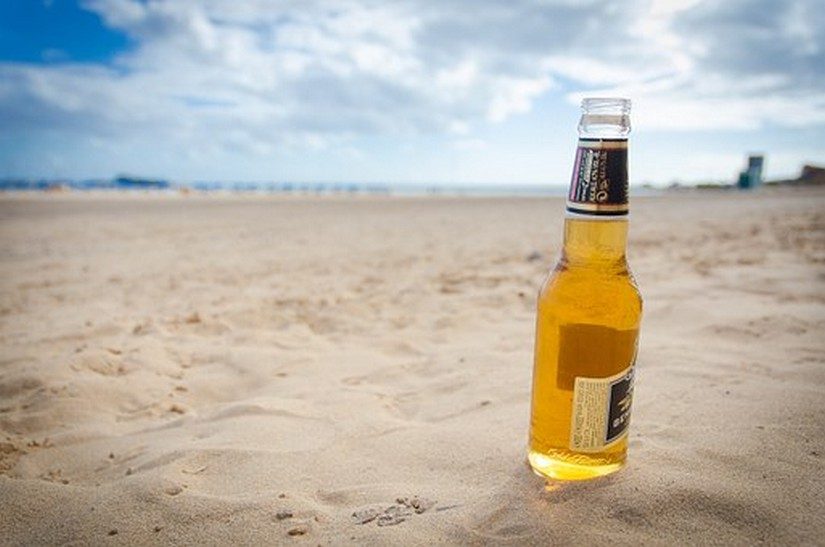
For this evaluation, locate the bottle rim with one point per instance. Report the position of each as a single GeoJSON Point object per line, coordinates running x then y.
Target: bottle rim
{"type": "Point", "coordinates": [606, 105]}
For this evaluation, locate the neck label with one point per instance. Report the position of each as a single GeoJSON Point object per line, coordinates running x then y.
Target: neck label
{"type": "Point", "coordinates": [599, 183]}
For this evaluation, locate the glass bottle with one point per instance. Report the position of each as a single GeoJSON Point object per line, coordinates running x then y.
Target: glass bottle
{"type": "Point", "coordinates": [588, 315]}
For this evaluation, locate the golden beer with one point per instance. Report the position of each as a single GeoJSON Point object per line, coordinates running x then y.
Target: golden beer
{"type": "Point", "coordinates": [588, 315]}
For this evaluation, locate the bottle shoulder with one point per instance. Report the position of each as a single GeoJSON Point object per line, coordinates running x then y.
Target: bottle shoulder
{"type": "Point", "coordinates": [591, 296]}
{"type": "Point", "coordinates": [599, 280]}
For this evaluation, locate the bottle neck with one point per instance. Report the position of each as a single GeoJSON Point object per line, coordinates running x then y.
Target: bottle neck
{"type": "Point", "coordinates": [599, 183]}
{"type": "Point", "coordinates": [599, 244]}
{"type": "Point", "coordinates": [595, 229]}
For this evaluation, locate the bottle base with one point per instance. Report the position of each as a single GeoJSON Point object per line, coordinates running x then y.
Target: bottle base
{"type": "Point", "coordinates": [567, 466]}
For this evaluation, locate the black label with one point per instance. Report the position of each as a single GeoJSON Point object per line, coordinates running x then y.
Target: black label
{"type": "Point", "coordinates": [599, 182]}
{"type": "Point", "coordinates": [618, 415]}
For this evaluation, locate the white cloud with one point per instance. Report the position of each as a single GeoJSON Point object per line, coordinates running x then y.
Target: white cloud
{"type": "Point", "coordinates": [257, 76]}
{"type": "Point", "coordinates": [727, 65]}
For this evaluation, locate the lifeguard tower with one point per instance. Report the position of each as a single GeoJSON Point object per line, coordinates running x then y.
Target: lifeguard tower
{"type": "Point", "coordinates": [752, 176]}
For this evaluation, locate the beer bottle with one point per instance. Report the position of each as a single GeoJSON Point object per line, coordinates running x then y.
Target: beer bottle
{"type": "Point", "coordinates": [588, 314]}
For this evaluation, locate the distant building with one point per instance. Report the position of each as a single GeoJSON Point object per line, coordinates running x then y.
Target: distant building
{"type": "Point", "coordinates": [752, 176]}
{"type": "Point", "coordinates": [812, 174]}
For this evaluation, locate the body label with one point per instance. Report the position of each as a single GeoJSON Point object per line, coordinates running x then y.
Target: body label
{"type": "Point", "coordinates": [599, 184]}
{"type": "Point", "coordinates": [601, 411]}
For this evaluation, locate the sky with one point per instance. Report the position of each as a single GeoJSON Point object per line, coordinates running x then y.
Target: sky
{"type": "Point", "coordinates": [413, 91]}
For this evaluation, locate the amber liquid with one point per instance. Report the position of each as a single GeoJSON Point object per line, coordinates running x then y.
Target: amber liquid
{"type": "Point", "coordinates": [587, 325]}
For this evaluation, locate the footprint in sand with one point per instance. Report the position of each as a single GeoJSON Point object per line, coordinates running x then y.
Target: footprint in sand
{"type": "Point", "coordinates": [396, 513]}
{"type": "Point", "coordinates": [371, 505]}
{"type": "Point", "coordinates": [106, 362]}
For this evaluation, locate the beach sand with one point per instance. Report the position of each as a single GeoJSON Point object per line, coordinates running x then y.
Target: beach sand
{"type": "Point", "coordinates": [247, 370]}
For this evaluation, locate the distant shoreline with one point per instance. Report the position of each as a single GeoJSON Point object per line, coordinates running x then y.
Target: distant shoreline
{"type": "Point", "coordinates": [175, 194]}
{"type": "Point", "coordinates": [810, 176]}
{"type": "Point", "coordinates": [320, 190]}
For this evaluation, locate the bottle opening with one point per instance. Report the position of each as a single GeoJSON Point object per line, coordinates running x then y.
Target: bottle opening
{"type": "Point", "coordinates": [606, 106]}
{"type": "Point", "coordinates": [605, 118]}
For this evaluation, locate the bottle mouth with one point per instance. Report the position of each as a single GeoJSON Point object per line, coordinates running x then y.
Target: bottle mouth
{"type": "Point", "coordinates": [606, 105]}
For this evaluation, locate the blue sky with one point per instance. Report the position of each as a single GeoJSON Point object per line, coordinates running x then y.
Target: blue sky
{"type": "Point", "coordinates": [453, 91]}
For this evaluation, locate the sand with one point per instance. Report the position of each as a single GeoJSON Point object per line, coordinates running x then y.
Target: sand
{"type": "Point", "coordinates": [183, 369]}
